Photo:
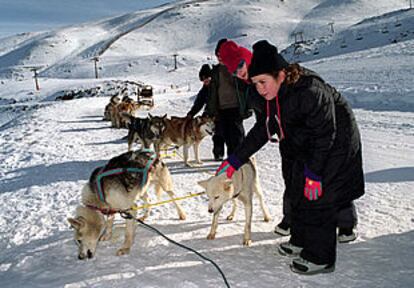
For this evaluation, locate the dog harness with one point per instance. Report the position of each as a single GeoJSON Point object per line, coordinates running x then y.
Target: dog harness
{"type": "Point", "coordinates": [118, 171]}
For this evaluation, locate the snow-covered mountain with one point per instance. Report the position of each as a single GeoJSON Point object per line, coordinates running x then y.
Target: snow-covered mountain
{"type": "Point", "coordinates": [378, 31]}
{"type": "Point", "coordinates": [48, 148]}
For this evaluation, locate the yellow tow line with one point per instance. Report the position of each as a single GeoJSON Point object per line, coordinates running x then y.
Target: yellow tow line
{"type": "Point", "coordinates": [145, 206]}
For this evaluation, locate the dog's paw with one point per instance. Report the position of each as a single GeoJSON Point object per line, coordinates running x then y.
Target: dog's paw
{"type": "Point", "coordinates": [230, 217]}
{"type": "Point", "coordinates": [247, 242]}
{"type": "Point", "coordinates": [122, 251]}
{"type": "Point", "coordinates": [267, 219]}
{"type": "Point", "coordinates": [211, 236]}
{"type": "Point", "coordinates": [182, 216]}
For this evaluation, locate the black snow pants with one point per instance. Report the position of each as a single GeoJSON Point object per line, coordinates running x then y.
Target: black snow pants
{"type": "Point", "coordinates": [315, 231]}
{"type": "Point", "coordinates": [231, 124]}
{"type": "Point", "coordinates": [218, 140]}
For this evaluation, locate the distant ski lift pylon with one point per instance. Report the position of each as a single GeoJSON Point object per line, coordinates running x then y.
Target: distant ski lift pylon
{"type": "Point", "coordinates": [34, 69]}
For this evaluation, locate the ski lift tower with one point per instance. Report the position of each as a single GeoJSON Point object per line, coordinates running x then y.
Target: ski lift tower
{"type": "Point", "coordinates": [35, 69]}
{"type": "Point", "coordinates": [175, 60]}
{"type": "Point", "coordinates": [96, 60]}
{"type": "Point", "coordinates": [331, 27]}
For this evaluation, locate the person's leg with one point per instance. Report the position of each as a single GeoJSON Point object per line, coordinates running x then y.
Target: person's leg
{"type": "Point", "coordinates": [283, 228]}
{"type": "Point", "coordinates": [315, 230]}
{"type": "Point", "coordinates": [319, 240]}
{"type": "Point", "coordinates": [218, 141]}
{"type": "Point", "coordinates": [235, 131]}
{"type": "Point", "coordinates": [347, 221]}
{"type": "Point", "coordinates": [347, 216]}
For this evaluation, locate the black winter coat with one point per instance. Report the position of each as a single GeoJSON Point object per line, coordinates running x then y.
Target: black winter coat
{"type": "Point", "coordinates": [320, 131]}
{"type": "Point", "coordinates": [200, 101]}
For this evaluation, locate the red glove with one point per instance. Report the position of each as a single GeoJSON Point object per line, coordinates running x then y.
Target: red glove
{"type": "Point", "coordinates": [226, 167]}
{"type": "Point", "coordinates": [313, 189]}
{"type": "Point", "coordinates": [313, 185]}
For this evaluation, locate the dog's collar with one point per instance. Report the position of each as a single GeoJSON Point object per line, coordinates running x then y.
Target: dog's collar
{"type": "Point", "coordinates": [105, 211]}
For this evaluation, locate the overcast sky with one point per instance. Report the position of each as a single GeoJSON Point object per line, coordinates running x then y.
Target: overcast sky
{"type": "Point", "coordinates": [17, 16]}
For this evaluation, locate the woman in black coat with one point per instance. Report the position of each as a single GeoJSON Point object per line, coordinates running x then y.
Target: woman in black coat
{"type": "Point", "coordinates": [320, 148]}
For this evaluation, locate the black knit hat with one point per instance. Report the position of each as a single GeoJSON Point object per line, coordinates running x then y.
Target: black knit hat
{"type": "Point", "coordinates": [219, 43]}
{"type": "Point", "coordinates": [205, 72]}
{"type": "Point", "coordinates": [265, 59]}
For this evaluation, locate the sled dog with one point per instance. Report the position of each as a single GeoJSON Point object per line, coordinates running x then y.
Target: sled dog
{"type": "Point", "coordinates": [143, 130]}
{"type": "Point", "coordinates": [242, 186]}
{"type": "Point", "coordinates": [187, 132]}
{"type": "Point", "coordinates": [115, 100]}
{"type": "Point", "coordinates": [126, 106]}
{"type": "Point", "coordinates": [111, 190]}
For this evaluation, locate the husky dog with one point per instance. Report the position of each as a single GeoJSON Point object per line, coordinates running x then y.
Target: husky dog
{"type": "Point", "coordinates": [186, 132]}
{"type": "Point", "coordinates": [117, 192]}
{"type": "Point", "coordinates": [145, 130]}
{"type": "Point", "coordinates": [127, 105]}
{"type": "Point", "coordinates": [115, 100]}
{"type": "Point", "coordinates": [242, 186]}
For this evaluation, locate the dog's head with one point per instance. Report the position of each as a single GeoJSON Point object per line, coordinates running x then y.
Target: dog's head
{"type": "Point", "coordinates": [206, 125]}
{"type": "Point", "coordinates": [87, 234]}
{"type": "Point", "coordinates": [219, 190]}
{"type": "Point", "coordinates": [157, 125]}
{"type": "Point", "coordinates": [115, 100]}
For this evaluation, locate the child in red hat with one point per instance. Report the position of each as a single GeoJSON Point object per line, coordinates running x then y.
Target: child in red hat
{"type": "Point", "coordinates": [236, 58]}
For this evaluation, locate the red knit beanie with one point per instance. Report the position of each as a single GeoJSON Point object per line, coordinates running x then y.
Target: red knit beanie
{"type": "Point", "coordinates": [231, 54]}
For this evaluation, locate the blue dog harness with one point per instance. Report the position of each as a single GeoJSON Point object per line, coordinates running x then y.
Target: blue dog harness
{"type": "Point", "coordinates": [118, 171]}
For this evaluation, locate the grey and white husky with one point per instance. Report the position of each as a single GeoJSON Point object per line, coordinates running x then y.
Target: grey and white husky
{"type": "Point", "coordinates": [114, 188]}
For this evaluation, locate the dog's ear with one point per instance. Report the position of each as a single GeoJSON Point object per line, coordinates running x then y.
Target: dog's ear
{"type": "Point", "coordinates": [77, 222]}
{"type": "Point", "coordinates": [227, 185]}
{"type": "Point", "coordinates": [203, 183]}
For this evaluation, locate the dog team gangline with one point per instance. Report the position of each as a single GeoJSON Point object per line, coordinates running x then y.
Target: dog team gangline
{"type": "Point", "coordinates": [126, 215]}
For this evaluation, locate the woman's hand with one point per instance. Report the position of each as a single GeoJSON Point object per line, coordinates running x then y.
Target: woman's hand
{"type": "Point", "coordinates": [226, 167]}
{"type": "Point", "coordinates": [230, 165]}
{"type": "Point", "coordinates": [313, 185]}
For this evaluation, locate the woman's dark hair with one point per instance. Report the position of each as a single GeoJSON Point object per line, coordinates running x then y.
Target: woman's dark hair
{"type": "Point", "coordinates": [293, 73]}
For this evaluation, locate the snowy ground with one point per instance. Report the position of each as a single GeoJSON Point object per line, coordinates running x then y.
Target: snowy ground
{"type": "Point", "coordinates": [47, 155]}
